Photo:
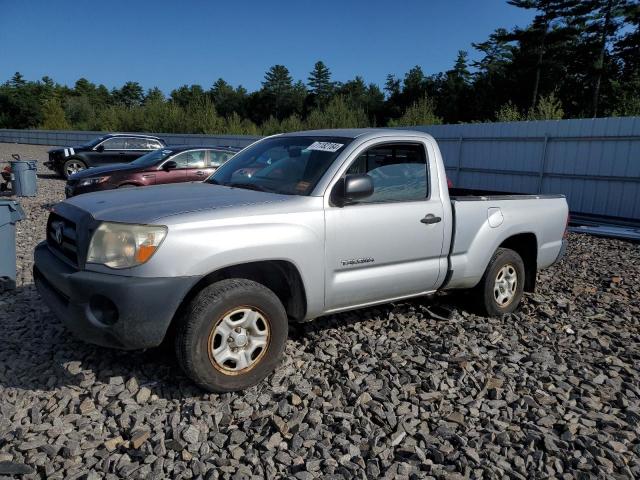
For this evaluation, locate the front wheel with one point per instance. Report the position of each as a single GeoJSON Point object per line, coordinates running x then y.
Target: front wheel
{"type": "Point", "coordinates": [71, 166]}
{"type": "Point", "coordinates": [501, 288]}
{"type": "Point", "coordinates": [232, 335]}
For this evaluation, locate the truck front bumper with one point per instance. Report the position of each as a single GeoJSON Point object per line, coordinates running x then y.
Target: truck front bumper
{"type": "Point", "coordinates": [108, 310]}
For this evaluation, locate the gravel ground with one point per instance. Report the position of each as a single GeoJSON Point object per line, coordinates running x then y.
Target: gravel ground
{"type": "Point", "coordinates": [420, 389]}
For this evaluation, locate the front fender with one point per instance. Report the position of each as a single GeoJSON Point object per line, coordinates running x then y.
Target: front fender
{"type": "Point", "coordinates": [196, 250]}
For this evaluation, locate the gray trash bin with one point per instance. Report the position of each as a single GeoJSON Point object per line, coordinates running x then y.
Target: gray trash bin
{"type": "Point", "coordinates": [10, 213]}
{"type": "Point", "coordinates": [24, 180]}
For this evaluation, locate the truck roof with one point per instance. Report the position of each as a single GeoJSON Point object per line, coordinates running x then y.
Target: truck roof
{"type": "Point", "coordinates": [356, 132]}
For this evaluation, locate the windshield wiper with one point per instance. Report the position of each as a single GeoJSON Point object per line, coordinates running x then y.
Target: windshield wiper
{"type": "Point", "coordinates": [248, 186]}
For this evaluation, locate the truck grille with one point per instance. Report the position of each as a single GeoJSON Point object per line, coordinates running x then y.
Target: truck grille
{"type": "Point", "coordinates": [61, 237]}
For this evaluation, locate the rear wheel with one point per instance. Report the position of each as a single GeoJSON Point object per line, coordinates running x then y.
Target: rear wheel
{"type": "Point", "coordinates": [71, 166]}
{"type": "Point", "coordinates": [232, 335]}
{"type": "Point", "coordinates": [501, 288]}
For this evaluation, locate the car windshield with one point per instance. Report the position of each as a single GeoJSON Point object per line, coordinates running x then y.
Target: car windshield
{"type": "Point", "coordinates": [93, 142]}
{"type": "Point", "coordinates": [290, 165]}
{"type": "Point", "coordinates": [152, 158]}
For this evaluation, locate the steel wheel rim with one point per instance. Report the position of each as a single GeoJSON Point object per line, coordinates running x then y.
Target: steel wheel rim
{"type": "Point", "coordinates": [239, 340]}
{"type": "Point", "coordinates": [74, 167]}
{"type": "Point", "coordinates": [505, 285]}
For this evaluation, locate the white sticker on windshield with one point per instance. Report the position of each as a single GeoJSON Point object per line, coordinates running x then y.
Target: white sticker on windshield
{"type": "Point", "coordinates": [325, 146]}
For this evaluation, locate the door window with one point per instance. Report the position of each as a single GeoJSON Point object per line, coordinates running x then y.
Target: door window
{"type": "Point", "coordinates": [134, 143]}
{"type": "Point", "coordinates": [196, 159]}
{"type": "Point", "coordinates": [398, 171]}
{"type": "Point", "coordinates": [217, 158]}
{"type": "Point", "coordinates": [115, 143]}
{"type": "Point", "coordinates": [152, 144]}
{"type": "Point", "coordinates": [182, 159]}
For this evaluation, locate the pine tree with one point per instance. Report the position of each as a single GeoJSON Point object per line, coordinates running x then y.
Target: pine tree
{"type": "Point", "coordinates": [320, 84]}
{"type": "Point", "coordinates": [413, 86]}
{"type": "Point", "coordinates": [538, 33]}
{"type": "Point", "coordinates": [277, 86]}
{"type": "Point", "coordinates": [130, 94]}
{"type": "Point", "coordinates": [154, 95]}
{"type": "Point", "coordinates": [392, 86]}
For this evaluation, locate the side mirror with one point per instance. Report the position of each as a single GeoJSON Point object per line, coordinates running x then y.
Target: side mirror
{"type": "Point", "coordinates": [170, 165]}
{"type": "Point", "coordinates": [100, 148]}
{"type": "Point", "coordinates": [353, 188]}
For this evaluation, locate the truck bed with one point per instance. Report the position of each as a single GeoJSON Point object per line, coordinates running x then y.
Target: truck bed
{"type": "Point", "coordinates": [483, 219]}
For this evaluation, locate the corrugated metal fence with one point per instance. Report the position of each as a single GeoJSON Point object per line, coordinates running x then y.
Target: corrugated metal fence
{"type": "Point", "coordinates": [594, 162]}
{"type": "Point", "coordinates": [72, 137]}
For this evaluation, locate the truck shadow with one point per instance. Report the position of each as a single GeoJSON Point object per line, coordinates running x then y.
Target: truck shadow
{"type": "Point", "coordinates": [39, 353]}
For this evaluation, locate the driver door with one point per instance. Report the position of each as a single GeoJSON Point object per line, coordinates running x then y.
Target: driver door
{"type": "Point", "coordinates": [378, 249]}
{"type": "Point", "coordinates": [174, 175]}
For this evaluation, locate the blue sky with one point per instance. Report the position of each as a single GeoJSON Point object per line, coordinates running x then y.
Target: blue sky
{"type": "Point", "coordinates": [170, 43]}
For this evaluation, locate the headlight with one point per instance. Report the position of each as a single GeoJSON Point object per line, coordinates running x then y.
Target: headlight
{"type": "Point", "coordinates": [92, 181]}
{"type": "Point", "coordinates": [121, 245]}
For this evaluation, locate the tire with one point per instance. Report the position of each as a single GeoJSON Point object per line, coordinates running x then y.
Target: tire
{"type": "Point", "coordinates": [496, 293]}
{"type": "Point", "coordinates": [72, 166]}
{"type": "Point", "coordinates": [202, 331]}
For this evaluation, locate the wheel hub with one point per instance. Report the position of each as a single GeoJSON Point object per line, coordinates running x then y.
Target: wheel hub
{"type": "Point", "coordinates": [505, 285]}
{"type": "Point", "coordinates": [239, 340]}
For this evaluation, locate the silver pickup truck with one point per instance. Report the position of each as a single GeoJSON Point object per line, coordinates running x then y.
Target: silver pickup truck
{"type": "Point", "coordinates": [293, 227]}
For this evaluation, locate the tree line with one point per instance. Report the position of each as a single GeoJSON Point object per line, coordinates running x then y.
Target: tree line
{"type": "Point", "coordinates": [576, 59]}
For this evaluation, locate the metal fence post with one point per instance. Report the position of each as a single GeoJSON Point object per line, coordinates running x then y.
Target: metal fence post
{"type": "Point", "coordinates": [459, 160]}
{"type": "Point", "coordinates": [543, 163]}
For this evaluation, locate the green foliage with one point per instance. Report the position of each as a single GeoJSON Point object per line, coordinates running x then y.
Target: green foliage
{"type": "Point", "coordinates": [130, 95]}
{"type": "Point", "coordinates": [79, 111]}
{"type": "Point", "coordinates": [509, 113]}
{"type": "Point", "coordinates": [235, 125]}
{"type": "Point", "coordinates": [277, 88]}
{"type": "Point", "coordinates": [421, 112]}
{"type": "Point", "coordinates": [337, 114]}
{"type": "Point", "coordinates": [53, 117]}
{"type": "Point", "coordinates": [547, 108]}
{"type": "Point", "coordinates": [320, 84]}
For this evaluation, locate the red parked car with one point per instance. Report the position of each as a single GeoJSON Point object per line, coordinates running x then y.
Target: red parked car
{"type": "Point", "coordinates": [171, 164]}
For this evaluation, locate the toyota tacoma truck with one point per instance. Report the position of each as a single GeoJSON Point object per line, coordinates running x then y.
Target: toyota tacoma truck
{"type": "Point", "coordinates": [293, 227]}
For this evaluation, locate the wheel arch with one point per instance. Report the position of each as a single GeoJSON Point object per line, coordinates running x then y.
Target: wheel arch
{"type": "Point", "coordinates": [525, 245]}
{"type": "Point", "coordinates": [280, 276]}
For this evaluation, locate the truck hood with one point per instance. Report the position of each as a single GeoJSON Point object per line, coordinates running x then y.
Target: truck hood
{"type": "Point", "coordinates": [149, 204]}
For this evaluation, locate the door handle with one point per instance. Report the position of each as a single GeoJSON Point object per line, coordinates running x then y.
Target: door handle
{"type": "Point", "coordinates": [121, 153]}
{"type": "Point", "coordinates": [200, 173]}
{"type": "Point", "coordinates": [430, 218]}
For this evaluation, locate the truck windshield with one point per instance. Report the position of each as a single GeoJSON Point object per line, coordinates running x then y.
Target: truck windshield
{"type": "Point", "coordinates": [289, 165]}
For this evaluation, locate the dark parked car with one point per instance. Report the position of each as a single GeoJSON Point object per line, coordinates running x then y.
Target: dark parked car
{"type": "Point", "coordinates": [110, 149]}
{"type": "Point", "coordinates": [172, 164]}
